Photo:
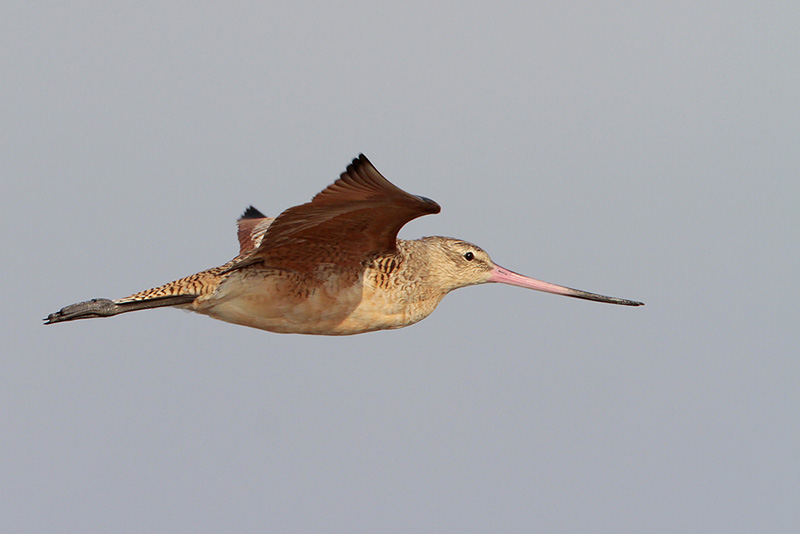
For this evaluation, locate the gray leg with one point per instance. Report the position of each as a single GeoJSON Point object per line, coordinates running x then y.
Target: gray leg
{"type": "Point", "coordinates": [84, 310]}
{"type": "Point", "coordinates": [107, 308]}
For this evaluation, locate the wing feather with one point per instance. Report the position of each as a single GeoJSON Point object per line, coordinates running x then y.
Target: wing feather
{"type": "Point", "coordinates": [251, 227]}
{"type": "Point", "coordinates": [356, 217]}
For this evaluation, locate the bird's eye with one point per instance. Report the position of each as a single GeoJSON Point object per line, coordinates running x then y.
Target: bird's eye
{"type": "Point", "coordinates": [469, 256]}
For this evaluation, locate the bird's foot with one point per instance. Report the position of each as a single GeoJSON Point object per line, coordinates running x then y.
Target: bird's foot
{"type": "Point", "coordinates": [84, 310]}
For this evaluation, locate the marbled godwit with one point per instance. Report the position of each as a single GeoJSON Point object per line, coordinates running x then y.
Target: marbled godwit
{"type": "Point", "coordinates": [332, 266]}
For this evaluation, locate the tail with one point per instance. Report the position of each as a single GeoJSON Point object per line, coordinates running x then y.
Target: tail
{"type": "Point", "coordinates": [178, 293]}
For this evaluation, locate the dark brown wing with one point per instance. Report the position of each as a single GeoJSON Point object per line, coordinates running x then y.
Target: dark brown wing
{"type": "Point", "coordinates": [355, 217]}
{"type": "Point", "coordinates": [250, 229]}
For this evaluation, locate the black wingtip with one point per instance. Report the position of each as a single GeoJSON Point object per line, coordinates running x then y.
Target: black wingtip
{"type": "Point", "coordinates": [362, 160]}
{"type": "Point", "coordinates": [252, 213]}
{"type": "Point", "coordinates": [433, 206]}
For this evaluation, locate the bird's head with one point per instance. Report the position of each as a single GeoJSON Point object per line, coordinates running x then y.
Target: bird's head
{"type": "Point", "coordinates": [454, 263]}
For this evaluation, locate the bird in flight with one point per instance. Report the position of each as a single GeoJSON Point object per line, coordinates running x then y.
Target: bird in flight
{"type": "Point", "coordinates": [332, 266]}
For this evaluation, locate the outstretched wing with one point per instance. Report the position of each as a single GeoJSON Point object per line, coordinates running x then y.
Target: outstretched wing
{"type": "Point", "coordinates": [251, 227]}
{"type": "Point", "coordinates": [352, 219]}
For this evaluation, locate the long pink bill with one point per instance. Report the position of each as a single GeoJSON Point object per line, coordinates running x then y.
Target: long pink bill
{"type": "Point", "coordinates": [504, 276]}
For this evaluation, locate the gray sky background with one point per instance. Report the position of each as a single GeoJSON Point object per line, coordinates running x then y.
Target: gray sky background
{"type": "Point", "coordinates": [647, 150]}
